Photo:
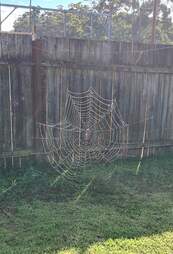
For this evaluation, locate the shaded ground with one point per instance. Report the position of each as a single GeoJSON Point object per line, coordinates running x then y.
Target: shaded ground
{"type": "Point", "coordinates": [104, 209]}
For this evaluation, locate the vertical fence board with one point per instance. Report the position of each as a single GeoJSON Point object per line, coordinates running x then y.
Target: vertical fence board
{"type": "Point", "coordinates": [139, 76]}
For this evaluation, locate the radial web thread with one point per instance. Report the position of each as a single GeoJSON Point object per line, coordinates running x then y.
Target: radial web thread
{"type": "Point", "coordinates": [92, 130]}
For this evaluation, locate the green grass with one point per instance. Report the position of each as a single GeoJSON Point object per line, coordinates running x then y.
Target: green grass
{"type": "Point", "coordinates": [103, 210]}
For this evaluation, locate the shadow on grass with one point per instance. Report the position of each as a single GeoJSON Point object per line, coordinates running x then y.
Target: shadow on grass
{"type": "Point", "coordinates": [47, 218]}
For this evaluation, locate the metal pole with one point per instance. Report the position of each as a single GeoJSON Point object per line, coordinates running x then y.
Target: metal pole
{"type": "Point", "coordinates": [32, 7]}
{"type": "Point", "coordinates": [0, 16]}
{"type": "Point", "coordinates": [30, 15]}
{"type": "Point", "coordinates": [153, 35]}
{"type": "Point", "coordinates": [110, 26]}
{"type": "Point", "coordinates": [34, 36]}
{"type": "Point", "coordinates": [65, 25]}
{"type": "Point", "coordinates": [91, 26]}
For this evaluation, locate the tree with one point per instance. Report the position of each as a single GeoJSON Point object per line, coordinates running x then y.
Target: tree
{"type": "Point", "coordinates": [129, 20]}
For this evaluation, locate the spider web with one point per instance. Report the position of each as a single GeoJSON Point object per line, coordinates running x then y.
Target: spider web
{"type": "Point", "coordinates": [92, 130]}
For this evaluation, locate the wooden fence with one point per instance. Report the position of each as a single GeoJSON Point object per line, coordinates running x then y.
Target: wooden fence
{"type": "Point", "coordinates": [16, 121]}
{"type": "Point", "coordinates": [34, 77]}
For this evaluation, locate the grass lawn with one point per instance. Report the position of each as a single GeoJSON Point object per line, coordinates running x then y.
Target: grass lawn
{"type": "Point", "coordinates": [102, 210]}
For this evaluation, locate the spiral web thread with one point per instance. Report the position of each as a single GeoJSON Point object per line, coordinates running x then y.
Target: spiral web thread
{"type": "Point", "coordinates": [92, 130]}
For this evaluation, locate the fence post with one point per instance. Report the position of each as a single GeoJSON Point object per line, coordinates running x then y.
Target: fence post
{"type": "Point", "coordinates": [38, 92]}
{"type": "Point", "coordinates": [91, 26]}
{"type": "Point", "coordinates": [65, 24]}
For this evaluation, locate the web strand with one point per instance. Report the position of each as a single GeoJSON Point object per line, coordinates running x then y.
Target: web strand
{"type": "Point", "coordinates": [92, 130]}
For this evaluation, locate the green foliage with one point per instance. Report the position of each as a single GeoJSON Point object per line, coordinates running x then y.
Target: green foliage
{"type": "Point", "coordinates": [131, 20]}
{"type": "Point", "coordinates": [120, 212]}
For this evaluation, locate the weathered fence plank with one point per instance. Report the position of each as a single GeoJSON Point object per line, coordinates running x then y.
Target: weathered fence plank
{"type": "Point", "coordinates": [139, 76]}
{"type": "Point", "coordinates": [16, 122]}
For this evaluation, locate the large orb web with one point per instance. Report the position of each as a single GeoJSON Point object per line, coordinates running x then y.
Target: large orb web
{"type": "Point", "coordinates": [92, 130]}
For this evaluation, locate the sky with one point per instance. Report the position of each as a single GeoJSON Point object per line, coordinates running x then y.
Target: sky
{"type": "Point", "coordinates": [43, 3]}
{"type": "Point", "coordinates": [8, 24]}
